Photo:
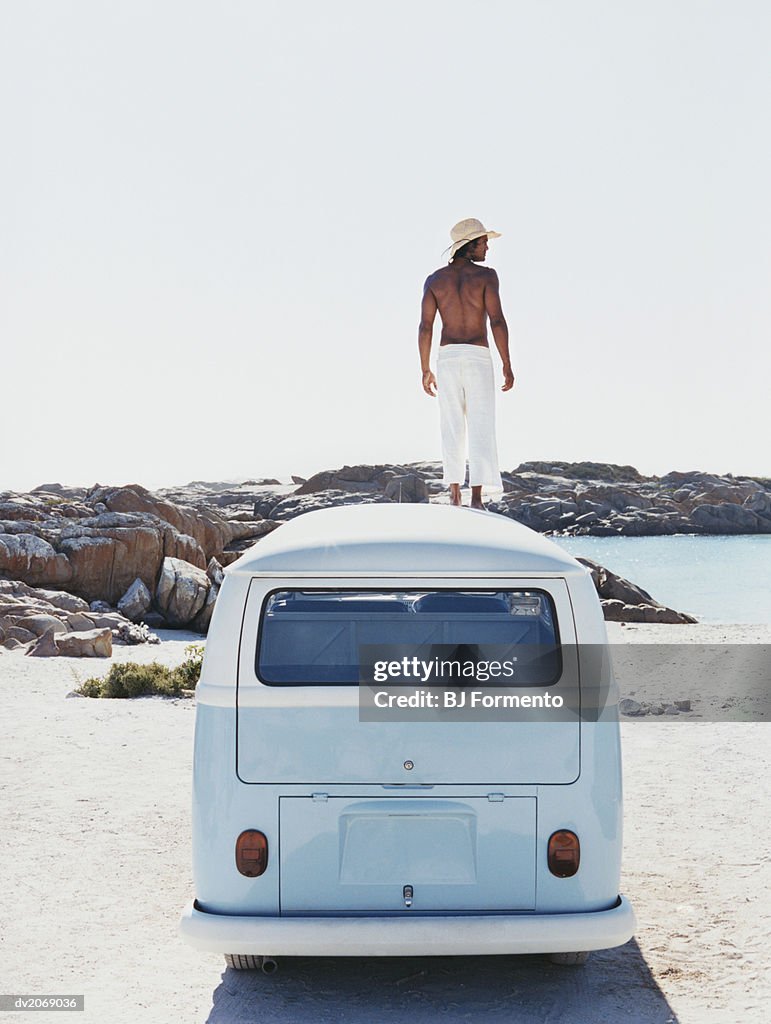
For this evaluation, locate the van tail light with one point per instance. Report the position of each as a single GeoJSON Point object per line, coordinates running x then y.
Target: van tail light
{"type": "Point", "coordinates": [251, 853]}
{"type": "Point", "coordinates": [564, 853]}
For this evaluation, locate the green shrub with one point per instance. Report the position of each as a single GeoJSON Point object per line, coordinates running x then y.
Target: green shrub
{"type": "Point", "coordinates": [129, 679]}
{"type": "Point", "coordinates": [91, 688]}
{"type": "Point", "coordinates": [190, 669]}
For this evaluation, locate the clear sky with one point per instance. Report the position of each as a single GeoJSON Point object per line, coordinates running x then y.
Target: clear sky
{"type": "Point", "coordinates": [216, 220]}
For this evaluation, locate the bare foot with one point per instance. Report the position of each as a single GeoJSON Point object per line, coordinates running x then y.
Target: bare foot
{"type": "Point", "coordinates": [476, 498]}
{"type": "Point", "coordinates": [455, 498]}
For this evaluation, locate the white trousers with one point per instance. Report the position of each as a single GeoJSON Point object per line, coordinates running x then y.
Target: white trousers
{"type": "Point", "coordinates": [466, 387]}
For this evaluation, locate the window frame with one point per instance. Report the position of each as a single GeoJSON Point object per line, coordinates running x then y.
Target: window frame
{"type": "Point", "coordinates": [507, 588]}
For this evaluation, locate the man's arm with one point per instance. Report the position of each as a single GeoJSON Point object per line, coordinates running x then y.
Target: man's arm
{"type": "Point", "coordinates": [499, 327]}
{"type": "Point", "coordinates": [425, 334]}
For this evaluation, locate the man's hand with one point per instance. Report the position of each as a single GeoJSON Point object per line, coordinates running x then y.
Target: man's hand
{"type": "Point", "coordinates": [508, 378]}
{"type": "Point", "coordinates": [429, 383]}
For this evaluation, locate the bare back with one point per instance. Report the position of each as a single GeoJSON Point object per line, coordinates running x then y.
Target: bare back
{"type": "Point", "coordinates": [465, 296]}
{"type": "Point", "coordinates": [459, 290]}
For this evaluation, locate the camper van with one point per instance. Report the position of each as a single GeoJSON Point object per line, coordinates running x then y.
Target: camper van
{"type": "Point", "coordinates": [331, 820]}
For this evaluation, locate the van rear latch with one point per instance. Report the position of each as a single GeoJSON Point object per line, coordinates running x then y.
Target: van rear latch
{"type": "Point", "coordinates": [495, 798]}
{"type": "Point", "coordinates": [319, 798]}
{"type": "Point", "coordinates": [407, 894]}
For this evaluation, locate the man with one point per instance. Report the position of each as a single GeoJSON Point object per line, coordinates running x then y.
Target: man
{"type": "Point", "coordinates": [466, 295]}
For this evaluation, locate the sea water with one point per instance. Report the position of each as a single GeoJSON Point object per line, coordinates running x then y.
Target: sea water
{"type": "Point", "coordinates": [717, 579]}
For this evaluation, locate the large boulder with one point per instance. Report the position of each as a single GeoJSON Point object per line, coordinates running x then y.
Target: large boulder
{"type": "Point", "coordinates": [406, 488]}
{"type": "Point", "coordinates": [45, 647]}
{"type": "Point", "coordinates": [136, 601]}
{"type": "Point", "coordinates": [613, 587]}
{"type": "Point", "coordinates": [61, 599]}
{"type": "Point", "coordinates": [92, 643]}
{"type": "Point", "coordinates": [19, 634]}
{"type": "Point", "coordinates": [181, 591]}
{"type": "Point", "coordinates": [41, 624]}
{"type": "Point", "coordinates": [623, 601]}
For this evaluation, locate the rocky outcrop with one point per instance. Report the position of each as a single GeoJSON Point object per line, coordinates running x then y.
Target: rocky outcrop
{"type": "Point", "coordinates": [41, 622]}
{"type": "Point", "coordinates": [96, 543]}
{"type": "Point", "coordinates": [623, 601]}
{"type": "Point", "coordinates": [573, 499]}
{"type": "Point", "coordinates": [209, 531]}
{"type": "Point", "coordinates": [565, 499]}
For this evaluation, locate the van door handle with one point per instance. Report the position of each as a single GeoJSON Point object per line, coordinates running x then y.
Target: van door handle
{"type": "Point", "coordinates": [407, 893]}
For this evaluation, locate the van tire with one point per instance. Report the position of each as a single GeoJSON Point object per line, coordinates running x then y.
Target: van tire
{"type": "Point", "coordinates": [243, 961]}
{"type": "Point", "coordinates": [569, 959]}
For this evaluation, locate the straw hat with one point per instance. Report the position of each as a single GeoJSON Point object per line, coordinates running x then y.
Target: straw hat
{"type": "Point", "coordinates": [466, 231]}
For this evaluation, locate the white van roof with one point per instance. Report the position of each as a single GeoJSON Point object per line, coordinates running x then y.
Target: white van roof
{"type": "Point", "coordinates": [403, 540]}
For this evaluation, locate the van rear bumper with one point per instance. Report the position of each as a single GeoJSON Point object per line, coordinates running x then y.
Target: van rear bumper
{"type": "Point", "coordinates": [408, 936]}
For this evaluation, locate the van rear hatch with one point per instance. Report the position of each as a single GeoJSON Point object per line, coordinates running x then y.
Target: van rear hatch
{"type": "Point", "coordinates": [406, 854]}
{"type": "Point", "coordinates": [299, 667]}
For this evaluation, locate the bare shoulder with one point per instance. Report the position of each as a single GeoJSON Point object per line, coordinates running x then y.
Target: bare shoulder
{"type": "Point", "coordinates": [435, 279]}
{"type": "Point", "coordinates": [490, 276]}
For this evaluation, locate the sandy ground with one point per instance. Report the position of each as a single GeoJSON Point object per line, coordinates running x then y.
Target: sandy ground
{"type": "Point", "coordinates": [95, 868]}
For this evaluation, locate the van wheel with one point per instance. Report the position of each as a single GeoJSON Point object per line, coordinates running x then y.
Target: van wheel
{"type": "Point", "coordinates": [243, 962]}
{"type": "Point", "coordinates": [569, 959]}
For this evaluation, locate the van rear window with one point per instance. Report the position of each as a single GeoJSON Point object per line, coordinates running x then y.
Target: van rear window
{"type": "Point", "coordinates": [315, 637]}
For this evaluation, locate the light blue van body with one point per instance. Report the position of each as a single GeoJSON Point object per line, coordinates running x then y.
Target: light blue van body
{"type": "Point", "coordinates": [399, 837]}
